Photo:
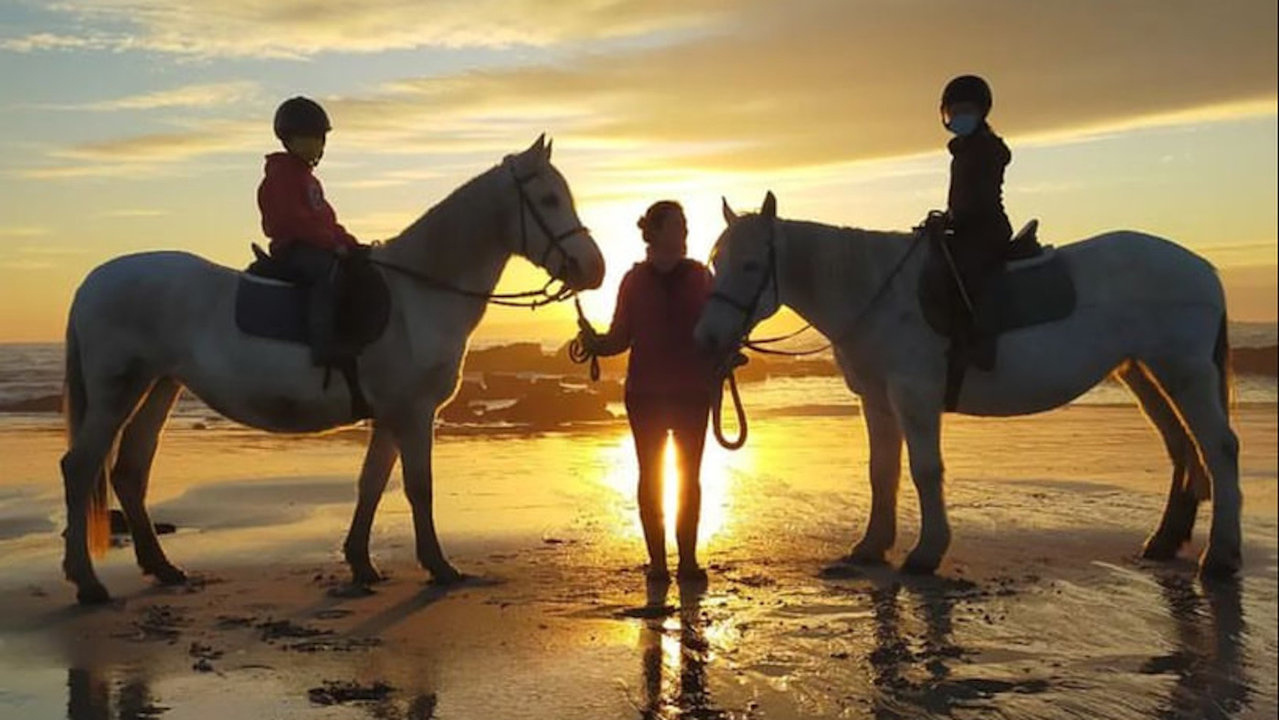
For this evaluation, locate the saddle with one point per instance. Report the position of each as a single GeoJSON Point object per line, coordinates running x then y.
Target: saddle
{"type": "Point", "coordinates": [270, 303]}
{"type": "Point", "coordinates": [1034, 287]}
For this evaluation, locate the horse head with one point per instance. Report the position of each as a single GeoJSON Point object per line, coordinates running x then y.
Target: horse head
{"type": "Point", "coordinates": [545, 228]}
{"type": "Point", "coordinates": [746, 291]}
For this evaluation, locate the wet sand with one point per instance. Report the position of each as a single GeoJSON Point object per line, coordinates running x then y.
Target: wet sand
{"type": "Point", "coordinates": [1041, 609]}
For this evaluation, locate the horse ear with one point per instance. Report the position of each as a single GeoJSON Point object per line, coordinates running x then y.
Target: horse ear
{"type": "Point", "coordinates": [538, 145]}
{"type": "Point", "coordinates": [770, 206]}
{"type": "Point", "coordinates": [549, 143]}
{"type": "Point", "coordinates": [729, 215]}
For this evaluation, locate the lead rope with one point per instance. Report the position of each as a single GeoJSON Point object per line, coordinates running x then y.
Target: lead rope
{"type": "Point", "coordinates": [717, 422]}
{"type": "Point", "coordinates": [576, 351]}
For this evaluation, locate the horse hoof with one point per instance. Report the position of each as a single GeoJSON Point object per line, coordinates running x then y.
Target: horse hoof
{"type": "Point", "coordinates": [866, 558]}
{"type": "Point", "coordinates": [916, 565]}
{"type": "Point", "coordinates": [1216, 566]}
{"type": "Point", "coordinates": [168, 575]}
{"type": "Point", "coordinates": [367, 575]}
{"type": "Point", "coordinates": [1160, 550]}
{"type": "Point", "coordinates": [95, 594]}
{"type": "Point", "coordinates": [840, 571]}
{"type": "Point", "coordinates": [447, 575]}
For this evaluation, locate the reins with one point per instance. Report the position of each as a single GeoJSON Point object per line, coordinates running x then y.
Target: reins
{"type": "Point", "coordinates": [532, 299]}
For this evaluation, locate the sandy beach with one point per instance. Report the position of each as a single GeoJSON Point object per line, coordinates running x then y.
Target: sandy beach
{"type": "Point", "coordinates": [1041, 609]}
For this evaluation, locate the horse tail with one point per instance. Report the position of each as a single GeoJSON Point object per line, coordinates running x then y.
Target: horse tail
{"type": "Point", "coordinates": [74, 404]}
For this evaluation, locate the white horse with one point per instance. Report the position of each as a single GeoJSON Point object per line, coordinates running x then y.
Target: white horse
{"type": "Point", "coordinates": [1147, 310]}
{"type": "Point", "coordinates": [144, 326]}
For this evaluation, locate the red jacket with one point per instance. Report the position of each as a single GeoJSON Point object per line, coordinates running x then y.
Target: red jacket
{"type": "Point", "coordinates": [294, 209]}
{"type": "Point", "coordinates": [655, 316]}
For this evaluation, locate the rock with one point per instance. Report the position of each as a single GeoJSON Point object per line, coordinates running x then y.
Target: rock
{"type": "Point", "coordinates": [548, 404]}
{"type": "Point", "coordinates": [1255, 360]}
{"type": "Point", "coordinates": [41, 404]}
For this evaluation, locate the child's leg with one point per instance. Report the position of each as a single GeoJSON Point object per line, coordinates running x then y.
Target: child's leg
{"type": "Point", "coordinates": [315, 268]}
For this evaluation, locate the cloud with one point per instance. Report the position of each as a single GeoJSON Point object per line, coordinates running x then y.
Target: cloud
{"type": "Point", "coordinates": [134, 213]}
{"type": "Point", "coordinates": [52, 41]}
{"type": "Point", "coordinates": [301, 28]}
{"type": "Point", "coordinates": [767, 88]}
{"type": "Point", "coordinates": [188, 96]}
{"type": "Point", "coordinates": [22, 231]}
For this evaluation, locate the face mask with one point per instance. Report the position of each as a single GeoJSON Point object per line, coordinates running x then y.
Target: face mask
{"type": "Point", "coordinates": [964, 124]}
{"type": "Point", "coordinates": [310, 149]}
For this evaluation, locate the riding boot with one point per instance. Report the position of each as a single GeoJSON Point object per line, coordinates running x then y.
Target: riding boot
{"type": "Point", "coordinates": [320, 324]}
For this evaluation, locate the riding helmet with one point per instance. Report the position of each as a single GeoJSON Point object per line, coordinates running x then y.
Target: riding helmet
{"type": "Point", "coordinates": [301, 117]}
{"type": "Point", "coordinates": [967, 88]}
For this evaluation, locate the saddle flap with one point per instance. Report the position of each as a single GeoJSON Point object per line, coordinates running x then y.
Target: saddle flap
{"type": "Point", "coordinates": [270, 306]}
{"type": "Point", "coordinates": [1027, 292]}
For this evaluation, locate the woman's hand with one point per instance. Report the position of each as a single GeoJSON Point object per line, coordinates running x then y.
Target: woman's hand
{"type": "Point", "coordinates": [589, 340]}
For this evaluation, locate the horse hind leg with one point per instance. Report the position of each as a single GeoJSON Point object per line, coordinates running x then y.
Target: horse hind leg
{"type": "Point", "coordinates": [1189, 480]}
{"type": "Point", "coordinates": [97, 411]}
{"type": "Point", "coordinates": [131, 475]}
{"type": "Point", "coordinates": [1195, 387]}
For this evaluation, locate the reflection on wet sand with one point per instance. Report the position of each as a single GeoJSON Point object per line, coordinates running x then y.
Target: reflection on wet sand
{"type": "Point", "coordinates": [1211, 680]}
{"type": "Point", "coordinates": [117, 693]}
{"type": "Point", "coordinates": [90, 695]}
{"type": "Point", "coordinates": [912, 675]}
{"type": "Point", "coordinates": [665, 656]}
{"type": "Point", "coordinates": [912, 671]}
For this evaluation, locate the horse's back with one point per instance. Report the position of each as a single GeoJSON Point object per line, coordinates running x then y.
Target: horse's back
{"type": "Point", "coordinates": [1134, 268]}
{"type": "Point", "coordinates": [149, 295]}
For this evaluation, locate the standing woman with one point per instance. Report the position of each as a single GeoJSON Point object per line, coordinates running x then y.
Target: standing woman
{"type": "Point", "coordinates": [669, 380]}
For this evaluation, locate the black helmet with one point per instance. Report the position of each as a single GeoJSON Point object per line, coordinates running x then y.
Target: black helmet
{"type": "Point", "coordinates": [967, 88]}
{"type": "Point", "coordinates": [301, 117]}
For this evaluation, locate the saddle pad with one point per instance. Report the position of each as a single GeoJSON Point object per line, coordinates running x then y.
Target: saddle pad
{"type": "Point", "coordinates": [271, 309]}
{"type": "Point", "coordinates": [1037, 291]}
{"type": "Point", "coordinates": [1028, 292]}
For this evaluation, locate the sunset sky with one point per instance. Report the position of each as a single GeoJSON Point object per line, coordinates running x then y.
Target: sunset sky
{"type": "Point", "coordinates": [130, 125]}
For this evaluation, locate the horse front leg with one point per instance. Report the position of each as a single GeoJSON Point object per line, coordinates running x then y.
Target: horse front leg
{"type": "Point", "coordinates": [885, 475]}
{"type": "Point", "coordinates": [378, 461]}
{"type": "Point", "coordinates": [920, 421]}
{"type": "Point", "coordinates": [414, 436]}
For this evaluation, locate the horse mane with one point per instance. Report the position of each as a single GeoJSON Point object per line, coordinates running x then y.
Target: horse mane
{"type": "Point", "coordinates": [846, 252]}
{"type": "Point", "coordinates": [410, 246]}
{"type": "Point", "coordinates": [434, 213]}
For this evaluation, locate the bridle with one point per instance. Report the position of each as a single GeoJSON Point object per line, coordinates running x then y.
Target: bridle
{"type": "Point", "coordinates": [748, 310]}
{"type": "Point", "coordinates": [554, 242]}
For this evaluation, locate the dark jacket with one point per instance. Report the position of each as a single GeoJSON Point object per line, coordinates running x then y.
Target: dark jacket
{"type": "Point", "coordinates": [975, 202]}
{"type": "Point", "coordinates": [654, 318]}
